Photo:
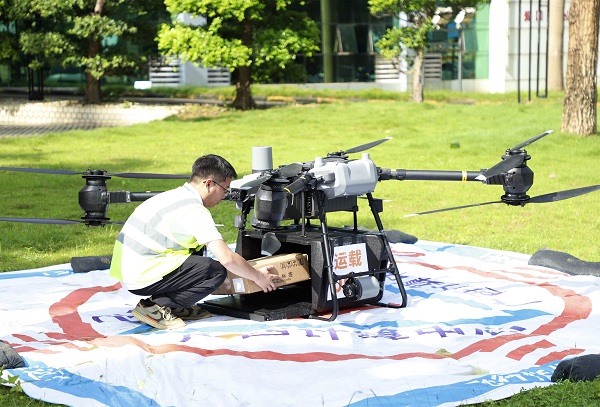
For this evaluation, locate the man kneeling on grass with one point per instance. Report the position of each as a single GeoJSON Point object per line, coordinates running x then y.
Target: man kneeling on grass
{"type": "Point", "coordinates": [157, 254]}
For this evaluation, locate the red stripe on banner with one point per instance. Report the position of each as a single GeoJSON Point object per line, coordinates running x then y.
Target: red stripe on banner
{"type": "Point", "coordinates": [576, 307]}
{"type": "Point", "coordinates": [551, 357]}
{"type": "Point", "coordinates": [551, 273]}
{"type": "Point", "coordinates": [21, 348]}
{"type": "Point", "coordinates": [26, 338]}
{"type": "Point", "coordinates": [427, 265]}
{"type": "Point", "coordinates": [407, 254]}
{"type": "Point", "coordinates": [64, 313]}
{"type": "Point", "coordinates": [518, 353]}
{"type": "Point", "coordinates": [62, 343]}
{"type": "Point", "coordinates": [119, 341]}
{"type": "Point", "coordinates": [487, 345]}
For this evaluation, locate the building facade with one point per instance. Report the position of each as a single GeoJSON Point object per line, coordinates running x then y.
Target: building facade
{"type": "Point", "coordinates": [502, 48]}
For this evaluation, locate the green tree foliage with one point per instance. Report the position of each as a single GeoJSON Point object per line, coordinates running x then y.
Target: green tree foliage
{"type": "Point", "coordinates": [253, 38]}
{"type": "Point", "coordinates": [100, 36]}
{"type": "Point", "coordinates": [9, 47]}
{"type": "Point", "coordinates": [411, 42]}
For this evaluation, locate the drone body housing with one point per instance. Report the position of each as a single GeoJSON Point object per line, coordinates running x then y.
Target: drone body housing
{"type": "Point", "coordinates": [341, 181]}
{"type": "Point", "coordinates": [341, 177]}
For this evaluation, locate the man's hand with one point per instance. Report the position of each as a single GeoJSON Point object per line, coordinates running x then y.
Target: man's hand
{"type": "Point", "coordinates": [266, 280]}
{"type": "Point", "coordinates": [240, 267]}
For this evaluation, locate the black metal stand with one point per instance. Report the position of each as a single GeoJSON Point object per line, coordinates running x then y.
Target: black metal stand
{"type": "Point", "coordinates": [317, 296]}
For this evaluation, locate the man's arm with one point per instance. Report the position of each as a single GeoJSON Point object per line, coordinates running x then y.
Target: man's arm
{"type": "Point", "coordinates": [239, 266]}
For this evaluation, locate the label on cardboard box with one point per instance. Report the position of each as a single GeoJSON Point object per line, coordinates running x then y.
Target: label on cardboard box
{"type": "Point", "coordinates": [291, 268]}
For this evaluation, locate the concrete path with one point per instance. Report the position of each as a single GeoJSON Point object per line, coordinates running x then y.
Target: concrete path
{"type": "Point", "coordinates": [8, 130]}
{"type": "Point", "coordinates": [12, 130]}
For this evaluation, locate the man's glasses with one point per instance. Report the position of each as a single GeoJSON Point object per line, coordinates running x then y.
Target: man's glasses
{"type": "Point", "coordinates": [224, 189]}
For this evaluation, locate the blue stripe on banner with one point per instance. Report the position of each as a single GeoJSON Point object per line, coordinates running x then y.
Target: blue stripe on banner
{"type": "Point", "coordinates": [141, 329]}
{"type": "Point", "coordinates": [42, 273]}
{"type": "Point", "coordinates": [78, 386]}
{"type": "Point", "coordinates": [459, 392]}
{"type": "Point", "coordinates": [511, 317]}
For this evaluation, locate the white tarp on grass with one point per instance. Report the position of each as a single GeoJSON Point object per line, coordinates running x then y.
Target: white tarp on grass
{"type": "Point", "coordinates": [480, 324]}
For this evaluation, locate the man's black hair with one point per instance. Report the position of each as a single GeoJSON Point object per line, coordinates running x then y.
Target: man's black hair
{"type": "Point", "coordinates": [212, 166]}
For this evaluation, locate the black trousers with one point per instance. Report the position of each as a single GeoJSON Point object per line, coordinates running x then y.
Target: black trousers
{"type": "Point", "coordinates": [196, 278]}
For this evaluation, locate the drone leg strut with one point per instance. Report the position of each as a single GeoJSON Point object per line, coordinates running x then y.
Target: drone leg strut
{"type": "Point", "coordinates": [388, 249]}
{"type": "Point", "coordinates": [327, 253]}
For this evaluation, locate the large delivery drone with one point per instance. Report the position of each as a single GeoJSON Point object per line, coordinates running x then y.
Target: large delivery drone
{"type": "Point", "coordinates": [287, 210]}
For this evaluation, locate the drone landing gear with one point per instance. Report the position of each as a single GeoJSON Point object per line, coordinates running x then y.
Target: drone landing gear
{"type": "Point", "coordinates": [318, 295]}
{"type": "Point", "coordinates": [283, 303]}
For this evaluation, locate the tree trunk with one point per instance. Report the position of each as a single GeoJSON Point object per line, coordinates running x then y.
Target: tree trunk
{"type": "Point", "coordinates": [327, 41]}
{"type": "Point", "coordinates": [581, 95]}
{"type": "Point", "coordinates": [243, 95]}
{"type": "Point", "coordinates": [556, 21]}
{"type": "Point", "coordinates": [417, 81]}
{"type": "Point", "coordinates": [93, 92]}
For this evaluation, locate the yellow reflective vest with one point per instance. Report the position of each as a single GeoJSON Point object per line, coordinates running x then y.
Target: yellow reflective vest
{"type": "Point", "coordinates": [160, 235]}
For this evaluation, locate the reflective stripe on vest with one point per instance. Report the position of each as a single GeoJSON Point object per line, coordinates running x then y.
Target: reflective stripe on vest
{"type": "Point", "coordinates": [146, 250]}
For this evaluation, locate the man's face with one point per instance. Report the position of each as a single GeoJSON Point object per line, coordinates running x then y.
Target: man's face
{"type": "Point", "coordinates": [216, 191]}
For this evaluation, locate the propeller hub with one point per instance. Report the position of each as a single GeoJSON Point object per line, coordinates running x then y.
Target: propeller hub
{"type": "Point", "coordinates": [516, 184]}
{"type": "Point", "coordinates": [515, 199]}
{"type": "Point", "coordinates": [94, 198]}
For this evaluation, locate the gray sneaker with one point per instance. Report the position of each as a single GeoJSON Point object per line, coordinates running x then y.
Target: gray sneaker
{"type": "Point", "coordinates": [191, 313]}
{"type": "Point", "coordinates": [157, 316]}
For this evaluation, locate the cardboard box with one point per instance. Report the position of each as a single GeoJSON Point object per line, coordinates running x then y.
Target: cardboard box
{"type": "Point", "coordinates": [291, 268]}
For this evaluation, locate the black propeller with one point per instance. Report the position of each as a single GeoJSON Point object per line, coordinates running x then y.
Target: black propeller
{"type": "Point", "coordinates": [531, 140]}
{"type": "Point", "coordinates": [88, 172]}
{"type": "Point", "coordinates": [49, 221]}
{"type": "Point", "coordinates": [257, 181]}
{"type": "Point", "coordinates": [294, 169]}
{"type": "Point", "coordinates": [550, 197]}
{"type": "Point", "coordinates": [290, 170]}
{"type": "Point", "coordinates": [360, 148]}
{"type": "Point", "coordinates": [507, 164]}
{"type": "Point", "coordinates": [513, 158]}
{"type": "Point", "coordinates": [95, 187]}
{"type": "Point", "coordinates": [43, 171]}
{"type": "Point", "coordinates": [451, 208]}
{"type": "Point", "coordinates": [562, 195]}
{"type": "Point", "coordinates": [286, 171]}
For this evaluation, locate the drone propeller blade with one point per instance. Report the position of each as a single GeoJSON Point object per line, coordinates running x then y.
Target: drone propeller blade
{"type": "Point", "coordinates": [512, 161]}
{"type": "Point", "coordinates": [551, 197]}
{"type": "Point", "coordinates": [116, 174]}
{"type": "Point", "coordinates": [531, 140]}
{"type": "Point", "coordinates": [367, 146]}
{"type": "Point", "coordinates": [561, 195]}
{"type": "Point", "coordinates": [42, 170]}
{"type": "Point", "coordinates": [50, 221]}
{"type": "Point", "coordinates": [257, 181]}
{"type": "Point", "coordinates": [505, 165]}
{"type": "Point", "coordinates": [290, 170]}
{"type": "Point", "coordinates": [43, 221]}
{"type": "Point", "coordinates": [452, 208]}
{"type": "Point", "coordinates": [141, 175]}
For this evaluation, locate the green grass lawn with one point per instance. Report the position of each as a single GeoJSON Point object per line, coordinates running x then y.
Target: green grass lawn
{"type": "Point", "coordinates": [424, 136]}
